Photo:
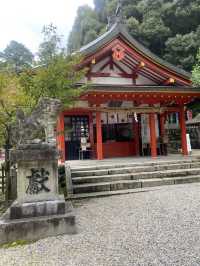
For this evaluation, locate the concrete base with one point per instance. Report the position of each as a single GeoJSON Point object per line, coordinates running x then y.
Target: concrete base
{"type": "Point", "coordinates": [35, 228]}
{"type": "Point", "coordinates": [37, 209]}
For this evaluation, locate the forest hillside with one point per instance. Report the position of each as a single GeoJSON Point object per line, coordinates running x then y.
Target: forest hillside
{"type": "Point", "coordinates": [169, 28]}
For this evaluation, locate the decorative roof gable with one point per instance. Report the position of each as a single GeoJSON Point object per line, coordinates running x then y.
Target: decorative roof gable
{"type": "Point", "coordinates": [135, 54]}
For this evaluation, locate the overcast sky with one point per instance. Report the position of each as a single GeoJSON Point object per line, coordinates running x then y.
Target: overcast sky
{"type": "Point", "coordinates": [23, 20]}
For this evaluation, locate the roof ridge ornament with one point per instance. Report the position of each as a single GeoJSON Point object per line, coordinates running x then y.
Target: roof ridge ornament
{"type": "Point", "coordinates": [118, 17]}
{"type": "Point", "coordinates": [118, 12]}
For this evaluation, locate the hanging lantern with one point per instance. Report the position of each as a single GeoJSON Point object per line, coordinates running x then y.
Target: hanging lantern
{"type": "Point", "coordinates": [93, 61]}
{"type": "Point", "coordinates": [118, 53]}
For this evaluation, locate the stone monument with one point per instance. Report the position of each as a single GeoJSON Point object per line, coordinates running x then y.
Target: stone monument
{"type": "Point", "coordinates": [39, 210]}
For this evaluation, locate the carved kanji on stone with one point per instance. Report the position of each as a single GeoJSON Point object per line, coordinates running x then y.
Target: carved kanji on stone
{"type": "Point", "coordinates": [37, 181]}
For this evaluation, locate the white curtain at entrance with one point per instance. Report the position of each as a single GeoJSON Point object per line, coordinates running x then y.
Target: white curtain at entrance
{"type": "Point", "coordinates": [145, 130]}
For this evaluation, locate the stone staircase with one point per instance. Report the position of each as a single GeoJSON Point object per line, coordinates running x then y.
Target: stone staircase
{"type": "Point", "coordinates": [102, 180]}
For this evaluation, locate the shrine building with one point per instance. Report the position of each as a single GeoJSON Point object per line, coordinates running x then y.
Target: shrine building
{"type": "Point", "coordinates": [131, 91]}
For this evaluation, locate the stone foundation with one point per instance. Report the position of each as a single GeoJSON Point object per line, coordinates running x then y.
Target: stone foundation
{"type": "Point", "coordinates": [39, 210]}
{"type": "Point", "coordinates": [35, 228]}
{"type": "Point", "coordinates": [36, 209]}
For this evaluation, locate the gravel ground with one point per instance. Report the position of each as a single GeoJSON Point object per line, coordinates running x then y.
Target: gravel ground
{"type": "Point", "coordinates": [159, 227]}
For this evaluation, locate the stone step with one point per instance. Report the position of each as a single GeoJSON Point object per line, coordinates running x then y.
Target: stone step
{"type": "Point", "coordinates": [135, 176]}
{"type": "Point", "coordinates": [135, 169]}
{"type": "Point", "coordinates": [118, 192]}
{"type": "Point", "coordinates": [100, 166]}
{"type": "Point", "coordinates": [106, 187]}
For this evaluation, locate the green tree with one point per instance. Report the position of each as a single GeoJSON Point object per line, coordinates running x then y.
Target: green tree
{"type": "Point", "coordinates": [86, 26]}
{"type": "Point", "coordinates": [181, 49]}
{"type": "Point", "coordinates": [51, 45]}
{"type": "Point", "coordinates": [58, 79]}
{"type": "Point", "coordinates": [154, 33]}
{"type": "Point", "coordinates": [162, 25]}
{"type": "Point", "coordinates": [196, 70]}
{"type": "Point", "coordinates": [11, 98]}
{"type": "Point", "coordinates": [17, 56]}
{"type": "Point", "coordinates": [57, 76]}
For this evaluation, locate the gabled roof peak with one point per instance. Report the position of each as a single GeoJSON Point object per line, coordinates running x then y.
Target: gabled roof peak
{"type": "Point", "coordinates": [118, 29]}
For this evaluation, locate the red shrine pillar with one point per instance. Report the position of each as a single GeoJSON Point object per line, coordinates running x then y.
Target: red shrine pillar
{"type": "Point", "coordinates": [136, 137]}
{"type": "Point", "coordinates": [61, 136]}
{"type": "Point", "coordinates": [183, 131]}
{"type": "Point", "coordinates": [153, 142]}
{"type": "Point", "coordinates": [99, 136]}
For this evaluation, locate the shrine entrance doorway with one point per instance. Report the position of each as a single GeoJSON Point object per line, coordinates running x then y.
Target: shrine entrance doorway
{"type": "Point", "coordinates": [76, 128]}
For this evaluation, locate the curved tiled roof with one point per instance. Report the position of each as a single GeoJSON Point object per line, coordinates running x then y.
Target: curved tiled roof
{"type": "Point", "coordinates": [119, 29]}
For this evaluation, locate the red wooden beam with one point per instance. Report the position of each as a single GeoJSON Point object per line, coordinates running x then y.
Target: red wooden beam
{"type": "Point", "coordinates": [152, 65]}
{"type": "Point", "coordinates": [120, 68]}
{"type": "Point", "coordinates": [111, 62]}
{"type": "Point", "coordinates": [105, 65]}
{"type": "Point", "coordinates": [138, 56]}
{"type": "Point", "coordinates": [145, 71]}
{"type": "Point", "coordinates": [153, 142]}
{"type": "Point", "coordinates": [169, 81]}
{"type": "Point", "coordinates": [100, 74]}
{"type": "Point", "coordinates": [138, 67]}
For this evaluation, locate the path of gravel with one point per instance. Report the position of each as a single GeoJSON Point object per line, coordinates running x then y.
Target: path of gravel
{"type": "Point", "coordinates": [160, 227]}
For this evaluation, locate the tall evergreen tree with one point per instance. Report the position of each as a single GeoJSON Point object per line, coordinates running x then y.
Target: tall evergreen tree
{"type": "Point", "coordinates": [169, 28]}
{"type": "Point", "coordinates": [17, 56]}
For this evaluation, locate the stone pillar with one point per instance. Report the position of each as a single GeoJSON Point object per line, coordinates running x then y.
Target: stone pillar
{"type": "Point", "coordinates": [39, 210]}
{"type": "Point", "coordinates": [99, 136]}
{"type": "Point", "coordinates": [183, 131]}
{"type": "Point", "coordinates": [153, 142]}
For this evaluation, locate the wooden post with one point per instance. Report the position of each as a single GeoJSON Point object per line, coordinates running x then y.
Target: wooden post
{"type": "Point", "coordinates": [183, 131]}
{"type": "Point", "coordinates": [61, 137]}
{"type": "Point", "coordinates": [99, 136]}
{"type": "Point", "coordinates": [152, 125]}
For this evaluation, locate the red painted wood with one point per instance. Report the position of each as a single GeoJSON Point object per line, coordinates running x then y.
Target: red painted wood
{"type": "Point", "coordinates": [118, 149]}
{"type": "Point", "coordinates": [105, 65]}
{"type": "Point", "coordinates": [100, 74]}
{"type": "Point", "coordinates": [145, 71]}
{"type": "Point", "coordinates": [169, 82]}
{"type": "Point", "coordinates": [99, 148]}
{"type": "Point", "coordinates": [111, 63]}
{"type": "Point", "coordinates": [161, 70]}
{"type": "Point", "coordinates": [183, 131]}
{"type": "Point", "coordinates": [148, 97]}
{"type": "Point", "coordinates": [153, 142]}
{"type": "Point", "coordinates": [61, 137]}
{"type": "Point", "coordinates": [120, 68]}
